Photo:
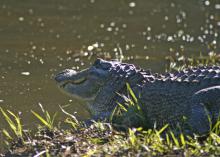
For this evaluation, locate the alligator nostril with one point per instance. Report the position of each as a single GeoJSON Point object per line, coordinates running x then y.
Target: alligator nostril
{"type": "Point", "coordinates": [64, 71]}
{"type": "Point", "coordinates": [58, 78]}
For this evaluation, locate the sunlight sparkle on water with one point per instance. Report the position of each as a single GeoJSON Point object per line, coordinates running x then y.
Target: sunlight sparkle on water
{"type": "Point", "coordinates": [21, 18]}
{"type": "Point", "coordinates": [217, 6]}
{"type": "Point", "coordinates": [41, 61]}
{"type": "Point", "coordinates": [132, 4]}
{"type": "Point", "coordinates": [90, 48]}
{"type": "Point", "coordinates": [26, 73]}
{"type": "Point", "coordinates": [207, 3]}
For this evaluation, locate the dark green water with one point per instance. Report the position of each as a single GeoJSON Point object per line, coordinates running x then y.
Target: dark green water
{"type": "Point", "coordinates": [38, 38]}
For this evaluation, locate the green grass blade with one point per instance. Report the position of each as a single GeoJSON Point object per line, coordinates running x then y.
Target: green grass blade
{"type": "Point", "coordinates": [5, 132]}
{"type": "Point", "coordinates": [132, 93]}
{"type": "Point", "coordinates": [215, 137]}
{"type": "Point", "coordinates": [168, 140]}
{"type": "Point", "coordinates": [48, 118]}
{"type": "Point", "coordinates": [175, 140]}
{"type": "Point", "coordinates": [53, 118]}
{"type": "Point", "coordinates": [47, 153]}
{"type": "Point", "coordinates": [162, 129]}
{"type": "Point", "coordinates": [41, 119]}
{"type": "Point", "coordinates": [71, 122]}
{"type": "Point", "coordinates": [9, 121]}
{"type": "Point", "coordinates": [113, 114]}
{"type": "Point", "coordinates": [132, 137]}
{"type": "Point", "coordinates": [182, 139]}
{"type": "Point", "coordinates": [70, 115]}
{"type": "Point", "coordinates": [122, 107]}
{"type": "Point", "coordinates": [216, 127]}
{"type": "Point", "coordinates": [18, 121]}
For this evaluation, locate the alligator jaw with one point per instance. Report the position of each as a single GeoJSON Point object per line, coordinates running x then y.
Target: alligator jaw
{"type": "Point", "coordinates": [79, 81]}
{"type": "Point", "coordinates": [70, 76]}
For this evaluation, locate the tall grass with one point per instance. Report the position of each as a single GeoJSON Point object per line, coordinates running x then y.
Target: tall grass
{"type": "Point", "coordinates": [72, 120]}
{"type": "Point", "coordinates": [14, 123]}
{"type": "Point", "coordinates": [130, 112]}
{"type": "Point", "coordinates": [47, 120]}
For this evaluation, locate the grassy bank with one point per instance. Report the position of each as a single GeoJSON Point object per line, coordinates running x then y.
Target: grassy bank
{"type": "Point", "coordinates": [102, 139]}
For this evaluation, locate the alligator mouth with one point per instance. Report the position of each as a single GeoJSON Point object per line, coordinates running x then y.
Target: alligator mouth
{"type": "Point", "coordinates": [79, 81]}
{"type": "Point", "coordinates": [71, 77]}
{"type": "Point", "coordinates": [75, 82]}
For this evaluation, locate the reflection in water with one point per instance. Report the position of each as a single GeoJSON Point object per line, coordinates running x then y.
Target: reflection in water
{"type": "Point", "coordinates": [39, 38]}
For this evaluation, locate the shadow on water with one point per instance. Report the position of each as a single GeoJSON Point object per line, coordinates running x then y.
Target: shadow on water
{"type": "Point", "coordinates": [40, 38]}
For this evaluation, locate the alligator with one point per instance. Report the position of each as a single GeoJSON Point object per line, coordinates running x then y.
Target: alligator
{"type": "Point", "coordinates": [192, 94]}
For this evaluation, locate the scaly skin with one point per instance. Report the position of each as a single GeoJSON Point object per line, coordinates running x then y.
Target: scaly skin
{"type": "Point", "coordinates": [165, 98]}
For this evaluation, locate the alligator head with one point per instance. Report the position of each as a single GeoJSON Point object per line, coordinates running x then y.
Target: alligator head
{"type": "Point", "coordinates": [85, 84]}
{"type": "Point", "coordinates": [98, 85]}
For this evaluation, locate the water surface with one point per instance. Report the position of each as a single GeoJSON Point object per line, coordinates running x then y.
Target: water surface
{"type": "Point", "coordinates": [40, 38]}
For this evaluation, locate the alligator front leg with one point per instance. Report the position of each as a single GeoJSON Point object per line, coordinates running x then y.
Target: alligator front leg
{"type": "Point", "coordinates": [205, 107]}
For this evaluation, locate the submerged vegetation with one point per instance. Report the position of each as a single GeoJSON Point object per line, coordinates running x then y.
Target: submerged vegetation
{"type": "Point", "coordinates": [104, 139]}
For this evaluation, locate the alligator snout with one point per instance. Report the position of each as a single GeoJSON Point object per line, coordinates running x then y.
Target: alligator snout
{"type": "Point", "coordinates": [65, 75]}
{"type": "Point", "coordinates": [70, 75]}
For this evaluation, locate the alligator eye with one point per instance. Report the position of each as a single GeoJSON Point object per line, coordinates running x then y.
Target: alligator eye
{"type": "Point", "coordinates": [102, 64]}
{"type": "Point", "coordinates": [97, 62]}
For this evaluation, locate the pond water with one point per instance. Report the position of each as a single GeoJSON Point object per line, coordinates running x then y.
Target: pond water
{"type": "Point", "coordinates": [40, 38]}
